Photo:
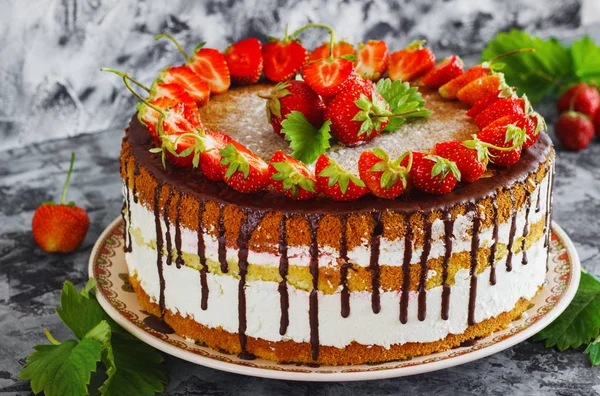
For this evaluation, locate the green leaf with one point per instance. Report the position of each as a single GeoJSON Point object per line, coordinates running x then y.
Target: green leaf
{"type": "Point", "coordinates": [580, 322]}
{"type": "Point", "coordinates": [62, 370]}
{"type": "Point", "coordinates": [586, 60]}
{"type": "Point", "coordinates": [536, 73]}
{"type": "Point", "coordinates": [403, 99]}
{"type": "Point", "coordinates": [593, 350]}
{"type": "Point", "coordinates": [306, 141]}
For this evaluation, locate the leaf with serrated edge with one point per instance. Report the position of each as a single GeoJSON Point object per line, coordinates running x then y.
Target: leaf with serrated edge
{"type": "Point", "coordinates": [306, 141]}
{"type": "Point", "coordinates": [402, 98]}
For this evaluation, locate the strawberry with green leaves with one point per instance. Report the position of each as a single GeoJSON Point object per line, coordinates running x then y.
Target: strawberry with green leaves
{"type": "Point", "coordinates": [448, 69]}
{"type": "Point", "coordinates": [190, 81]}
{"type": "Point", "coordinates": [208, 63]}
{"type": "Point", "coordinates": [293, 95]}
{"type": "Point", "coordinates": [283, 58]}
{"type": "Point", "coordinates": [372, 59]}
{"type": "Point", "coordinates": [505, 143]}
{"type": "Point", "coordinates": [411, 62]}
{"type": "Point", "coordinates": [291, 177]}
{"type": "Point", "coordinates": [582, 98]}
{"type": "Point", "coordinates": [340, 48]}
{"type": "Point", "coordinates": [336, 182]}
{"type": "Point", "coordinates": [210, 158]}
{"type": "Point", "coordinates": [471, 157]}
{"type": "Point", "coordinates": [183, 150]}
{"type": "Point", "coordinates": [511, 106]}
{"type": "Point", "coordinates": [434, 174]}
{"type": "Point", "coordinates": [382, 176]}
{"type": "Point", "coordinates": [245, 61]}
{"type": "Point", "coordinates": [246, 172]}
{"type": "Point", "coordinates": [530, 121]}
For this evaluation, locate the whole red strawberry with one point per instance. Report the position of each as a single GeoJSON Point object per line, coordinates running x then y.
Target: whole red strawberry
{"type": "Point", "coordinates": [60, 228]}
{"type": "Point", "coordinates": [597, 123]}
{"type": "Point", "coordinates": [483, 103]}
{"type": "Point", "coordinates": [293, 95]}
{"type": "Point", "coordinates": [284, 58]}
{"type": "Point", "coordinates": [434, 174]}
{"type": "Point", "coordinates": [337, 183]}
{"type": "Point", "coordinates": [581, 98]}
{"type": "Point", "coordinates": [574, 130]}
{"type": "Point", "coordinates": [358, 113]}
{"type": "Point", "coordinates": [291, 177]}
{"type": "Point", "coordinates": [246, 172]}
{"type": "Point", "coordinates": [384, 177]}
{"type": "Point", "coordinates": [505, 143]}
{"type": "Point", "coordinates": [470, 158]}
{"type": "Point", "coordinates": [448, 69]}
{"type": "Point", "coordinates": [500, 108]}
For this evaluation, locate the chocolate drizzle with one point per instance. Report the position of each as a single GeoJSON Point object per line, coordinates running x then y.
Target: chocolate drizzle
{"type": "Point", "coordinates": [250, 223]}
{"type": "Point", "coordinates": [202, 257]}
{"type": "Point", "coordinates": [524, 260]}
{"type": "Point", "coordinates": [374, 261]}
{"type": "Point", "coordinates": [168, 227]}
{"type": "Point", "coordinates": [179, 260]}
{"type": "Point", "coordinates": [406, 270]}
{"type": "Point", "coordinates": [448, 234]}
{"type": "Point", "coordinates": [345, 265]}
{"type": "Point", "coordinates": [136, 172]}
{"type": "Point", "coordinates": [127, 204]}
{"type": "Point", "coordinates": [537, 200]}
{"type": "Point", "coordinates": [494, 247]}
{"type": "Point", "coordinates": [159, 247]}
{"type": "Point", "coordinates": [422, 302]}
{"type": "Point", "coordinates": [221, 240]}
{"type": "Point", "coordinates": [313, 310]}
{"type": "Point", "coordinates": [511, 235]}
{"type": "Point", "coordinates": [473, 269]}
{"type": "Point", "coordinates": [548, 223]}
{"type": "Point", "coordinates": [284, 299]}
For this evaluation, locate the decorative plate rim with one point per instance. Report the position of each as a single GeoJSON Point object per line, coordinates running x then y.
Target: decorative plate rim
{"type": "Point", "coordinates": [566, 274]}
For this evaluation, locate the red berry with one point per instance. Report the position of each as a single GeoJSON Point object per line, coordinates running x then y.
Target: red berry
{"type": "Point", "coordinates": [372, 59]}
{"type": "Point", "coordinates": [479, 88]}
{"type": "Point", "coordinates": [507, 142]}
{"type": "Point", "coordinates": [209, 64]}
{"type": "Point", "coordinates": [283, 59]}
{"type": "Point", "coordinates": [411, 62]}
{"type": "Point", "coordinates": [245, 61]}
{"type": "Point", "coordinates": [192, 83]}
{"type": "Point", "coordinates": [448, 69]}
{"type": "Point", "coordinates": [500, 108]}
{"type": "Point", "coordinates": [337, 183]}
{"type": "Point", "coordinates": [210, 159]}
{"type": "Point", "coordinates": [451, 88]}
{"type": "Point", "coordinates": [471, 162]}
{"type": "Point", "coordinates": [291, 177]}
{"type": "Point", "coordinates": [384, 177]}
{"type": "Point", "coordinates": [574, 130]}
{"type": "Point", "coordinates": [585, 100]}
{"type": "Point", "coordinates": [483, 103]}
{"type": "Point", "coordinates": [246, 172]}
{"type": "Point", "coordinates": [434, 174]}
{"type": "Point", "coordinates": [597, 123]}
{"type": "Point", "coordinates": [327, 76]}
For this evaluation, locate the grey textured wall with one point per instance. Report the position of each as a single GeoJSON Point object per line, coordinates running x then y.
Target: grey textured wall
{"type": "Point", "coordinates": [50, 51]}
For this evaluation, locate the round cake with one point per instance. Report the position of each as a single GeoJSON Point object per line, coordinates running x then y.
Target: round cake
{"type": "Point", "coordinates": [334, 282]}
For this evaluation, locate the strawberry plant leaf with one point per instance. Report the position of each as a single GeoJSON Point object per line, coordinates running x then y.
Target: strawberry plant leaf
{"type": "Point", "coordinates": [404, 100]}
{"type": "Point", "coordinates": [586, 60]}
{"type": "Point", "coordinates": [593, 350]}
{"type": "Point", "coordinates": [306, 141]}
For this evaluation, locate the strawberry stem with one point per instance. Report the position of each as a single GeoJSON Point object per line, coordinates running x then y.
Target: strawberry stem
{"type": "Point", "coordinates": [575, 96]}
{"type": "Point", "coordinates": [509, 53]}
{"type": "Point", "coordinates": [126, 79]}
{"type": "Point", "coordinates": [396, 114]}
{"type": "Point", "coordinates": [64, 191]}
{"type": "Point", "coordinates": [51, 338]}
{"type": "Point", "coordinates": [323, 26]}
{"type": "Point", "coordinates": [125, 75]}
{"type": "Point", "coordinates": [179, 47]}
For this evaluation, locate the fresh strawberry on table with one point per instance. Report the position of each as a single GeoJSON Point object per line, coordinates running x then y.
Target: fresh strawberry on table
{"type": "Point", "coordinates": [208, 63]}
{"type": "Point", "coordinates": [293, 95]}
{"type": "Point", "coordinates": [505, 143]}
{"type": "Point", "coordinates": [60, 228]}
{"type": "Point", "coordinates": [581, 98]}
{"type": "Point", "coordinates": [337, 183]}
{"type": "Point", "coordinates": [323, 51]}
{"type": "Point", "coordinates": [383, 177]}
{"type": "Point", "coordinates": [471, 157]}
{"type": "Point", "coordinates": [434, 174]}
{"type": "Point", "coordinates": [411, 62]}
{"type": "Point", "coordinates": [245, 61]}
{"type": "Point", "coordinates": [448, 69]}
{"type": "Point", "coordinates": [372, 59]}
{"type": "Point", "coordinates": [246, 172]}
{"type": "Point", "coordinates": [575, 130]}
{"type": "Point", "coordinates": [283, 58]}
{"type": "Point", "coordinates": [190, 81]}
{"type": "Point", "coordinates": [291, 177]}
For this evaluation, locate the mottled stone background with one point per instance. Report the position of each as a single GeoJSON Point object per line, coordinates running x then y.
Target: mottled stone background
{"type": "Point", "coordinates": [51, 51]}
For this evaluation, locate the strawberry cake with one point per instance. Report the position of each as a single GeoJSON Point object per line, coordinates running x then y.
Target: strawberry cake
{"type": "Point", "coordinates": [342, 206]}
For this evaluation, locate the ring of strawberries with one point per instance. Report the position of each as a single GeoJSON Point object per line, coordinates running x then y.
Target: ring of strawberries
{"type": "Point", "coordinates": [336, 98]}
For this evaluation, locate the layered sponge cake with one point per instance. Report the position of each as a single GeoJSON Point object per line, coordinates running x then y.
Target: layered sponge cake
{"type": "Point", "coordinates": [326, 281]}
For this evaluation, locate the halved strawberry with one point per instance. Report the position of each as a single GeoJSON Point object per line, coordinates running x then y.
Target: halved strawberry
{"type": "Point", "coordinates": [208, 63]}
{"type": "Point", "coordinates": [284, 58]}
{"type": "Point", "coordinates": [245, 61]}
{"type": "Point", "coordinates": [448, 69]}
{"type": "Point", "coordinates": [175, 92]}
{"type": "Point", "coordinates": [293, 95]}
{"type": "Point", "coordinates": [451, 88]}
{"type": "Point", "coordinates": [210, 159]}
{"type": "Point", "coordinates": [483, 103]}
{"type": "Point", "coordinates": [323, 51]}
{"type": "Point", "coordinates": [505, 143]}
{"type": "Point", "coordinates": [337, 183]}
{"type": "Point", "coordinates": [291, 177]}
{"type": "Point", "coordinates": [384, 177]}
{"type": "Point", "coordinates": [500, 108]}
{"type": "Point", "coordinates": [246, 172]}
{"type": "Point", "coordinates": [471, 159]}
{"type": "Point", "coordinates": [478, 89]}
{"type": "Point", "coordinates": [165, 116]}
{"type": "Point", "coordinates": [434, 174]}
{"type": "Point", "coordinates": [327, 76]}
{"type": "Point", "coordinates": [411, 62]}
{"type": "Point", "coordinates": [372, 59]}
{"type": "Point", "coordinates": [190, 81]}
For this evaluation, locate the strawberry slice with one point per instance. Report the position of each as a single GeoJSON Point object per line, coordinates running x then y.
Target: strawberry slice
{"type": "Point", "coordinates": [327, 76]}
{"type": "Point", "coordinates": [480, 88]}
{"type": "Point", "coordinates": [470, 158]}
{"type": "Point", "coordinates": [245, 61]}
{"type": "Point", "coordinates": [504, 143]}
{"type": "Point", "coordinates": [190, 81]}
{"type": "Point", "coordinates": [246, 172]}
{"type": "Point", "coordinates": [175, 92]}
{"type": "Point", "coordinates": [165, 116]}
{"type": "Point", "coordinates": [336, 183]}
{"type": "Point", "coordinates": [372, 59]}
{"type": "Point", "coordinates": [291, 177]}
{"type": "Point", "coordinates": [411, 62]}
{"type": "Point", "coordinates": [448, 69]}
{"type": "Point", "coordinates": [323, 51]}
{"type": "Point", "coordinates": [384, 177]}
{"type": "Point", "coordinates": [284, 58]}
{"type": "Point", "coordinates": [500, 108]}
{"type": "Point", "coordinates": [451, 88]}
{"type": "Point", "coordinates": [434, 174]}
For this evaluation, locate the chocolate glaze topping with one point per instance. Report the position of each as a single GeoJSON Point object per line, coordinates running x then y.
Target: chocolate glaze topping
{"type": "Point", "coordinates": [221, 240]}
{"type": "Point", "coordinates": [136, 172]}
{"type": "Point", "coordinates": [511, 235]}
{"type": "Point", "coordinates": [374, 261]}
{"type": "Point", "coordinates": [284, 300]}
{"type": "Point", "coordinates": [202, 257]}
{"type": "Point", "coordinates": [473, 274]}
{"type": "Point", "coordinates": [524, 260]}
{"type": "Point", "coordinates": [422, 303]}
{"type": "Point", "coordinates": [168, 227]}
{"type": "Point", "coordinates": [448, 235]}
{"type": "Point", "coordinates": [494, 247]}
{"type": "Point", "coordinates": [406, 270]}
{"type": "Point", "coordinates": [179, 260]}
{"type": "Point", "coordinates": [345, 294]}
{"type": "Point", "coordinates": [313, 310]}
{"type": "Point", "coordinates": [159, 247]}
{"type": "Point", "coordinates": [127, 204]}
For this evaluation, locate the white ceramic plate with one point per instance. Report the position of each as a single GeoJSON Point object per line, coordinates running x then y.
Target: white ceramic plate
{"type": "Point", "coordinates": [107, 266]}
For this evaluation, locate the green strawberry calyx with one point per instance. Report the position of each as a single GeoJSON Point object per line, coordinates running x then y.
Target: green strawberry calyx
{"type": "Point", "coordinates": [391, 171]}
{"type": "Point", "coordinates": [443, 167]}
{"type": "Point", "coordinates": [235, 161]}
{"type": "Point", "coordinates": [338, 175]}
{"type": "Point", "coordinates": [273, 104]}
{"type": "Point", "coordinates": [292, 179]}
